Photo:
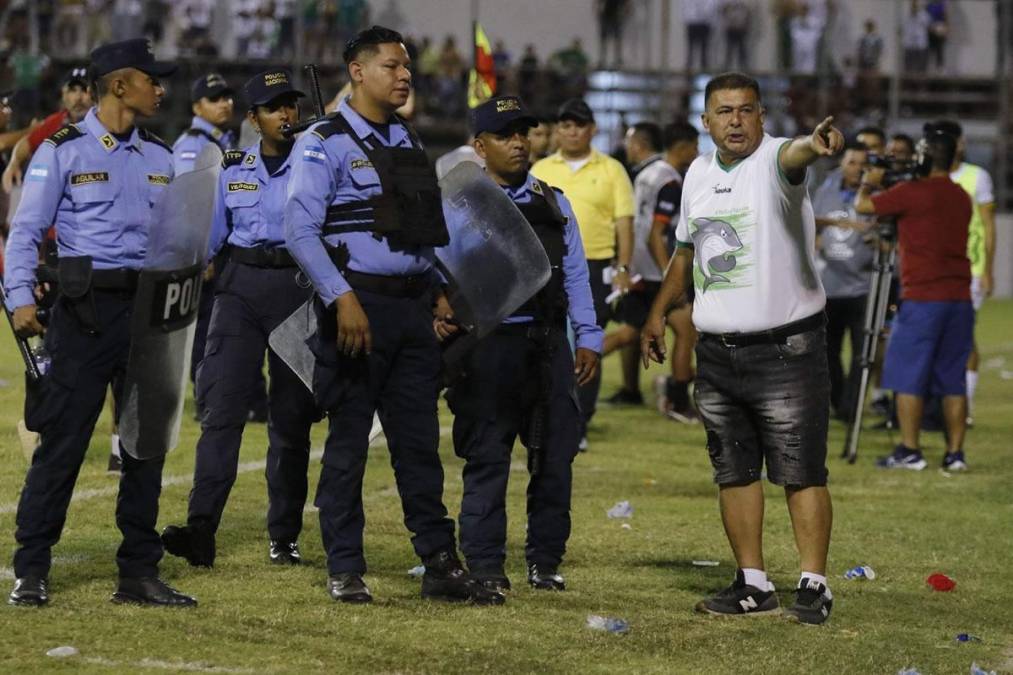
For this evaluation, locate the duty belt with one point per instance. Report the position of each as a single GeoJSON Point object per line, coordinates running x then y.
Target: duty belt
{"type": "Point", "coordinates": [394, 286]}
{"type": "Point", "coordinates": [262, 256]}
{"type": "Point", "coordinates": [118, 279]}
{"type": "Point", "coordinates": [772, 336]}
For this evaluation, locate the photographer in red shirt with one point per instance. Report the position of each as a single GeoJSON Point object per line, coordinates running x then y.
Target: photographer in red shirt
{"type": "Point", "coordinates": [931, 337]}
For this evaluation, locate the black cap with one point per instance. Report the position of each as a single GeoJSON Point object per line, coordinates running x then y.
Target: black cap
{"type": "Point", "coordinates": [128, 54]}
{"type": "Point", "coordinates": [497, 113]}
{"type": "Point", "coordinates": [576, 109]}
{"type": "Point", "coordinates": [76, 75]}
{"type": "Point", "coordinates": [209, 85]}
{"type": "Point", "coordinates": [264, 87]}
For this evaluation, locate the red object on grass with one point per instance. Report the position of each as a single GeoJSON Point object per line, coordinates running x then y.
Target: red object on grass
{"type": "Point", "coordinates": [940, 582]}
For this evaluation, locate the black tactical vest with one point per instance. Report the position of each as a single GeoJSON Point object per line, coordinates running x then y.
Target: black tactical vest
{"type": "Point", "coordinates": [408, 211]}
{"type": "Point", "coordinates": [549, 305]}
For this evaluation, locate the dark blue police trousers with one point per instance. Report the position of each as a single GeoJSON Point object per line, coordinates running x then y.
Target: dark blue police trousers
{"type": "Point", "coordinates": [72, 395]}
{"type": "Point", "coordinates": [400, 381]}
{"type": "Point", "coordinates": [250, 302]}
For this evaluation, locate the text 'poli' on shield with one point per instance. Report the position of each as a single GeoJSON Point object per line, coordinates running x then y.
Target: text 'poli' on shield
{"type": "Point", "coordinates": [176, 300]}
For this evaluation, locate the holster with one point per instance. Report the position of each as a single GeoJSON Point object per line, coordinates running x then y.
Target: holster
{"type": "Point", "coordinates": [75, 274]}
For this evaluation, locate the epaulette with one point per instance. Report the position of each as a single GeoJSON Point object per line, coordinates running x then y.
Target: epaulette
{"type": "Point", "coordinates": [64, 134]}
{"type": "Point", "coordinates": [232, 158]}
{"type": "Point", "coordinates": [333, 125]}
{"type": "Point", "coordinates": [151, 137]}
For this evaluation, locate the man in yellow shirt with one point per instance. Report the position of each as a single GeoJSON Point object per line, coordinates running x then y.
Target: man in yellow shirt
{"type": "Point", "coordinates": [601, 194]}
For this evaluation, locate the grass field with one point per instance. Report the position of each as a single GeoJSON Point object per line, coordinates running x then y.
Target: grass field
{"type": "Point", "coordinates": [257, 618]}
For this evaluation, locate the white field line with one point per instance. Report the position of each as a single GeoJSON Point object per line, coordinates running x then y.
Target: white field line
{"type": "Point", "coordinates": [157, 664]}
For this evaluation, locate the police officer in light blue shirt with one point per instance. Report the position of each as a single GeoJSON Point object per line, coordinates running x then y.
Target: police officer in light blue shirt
{"type": "Point", "coordinates": [97, 180]}
{"type": "Point", "coordinates": [256, 290]}
{"type": "Point", "coordinates": [363, 215]}
{"type": "Point", "coordinates": [521, 380]}
{"type": "Point", "coordinates": [211, 100]}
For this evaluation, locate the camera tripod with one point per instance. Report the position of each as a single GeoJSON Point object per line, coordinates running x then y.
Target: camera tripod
{"type": "Point", "coordinates": [876, 307]}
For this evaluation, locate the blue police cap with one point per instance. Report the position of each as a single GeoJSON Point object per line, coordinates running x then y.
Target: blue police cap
{"type": "Point", "coordinates": [264, 87]}
{"type": "Point", "coordinates": [497, 113]}
{"type": "Point", "coordinates": [209, 86]}
{"type": "Point", "coordinates": [128, 54]}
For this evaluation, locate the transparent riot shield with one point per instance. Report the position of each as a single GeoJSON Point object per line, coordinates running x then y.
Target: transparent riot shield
{"type": "Point", "coordinates": [165, 309]}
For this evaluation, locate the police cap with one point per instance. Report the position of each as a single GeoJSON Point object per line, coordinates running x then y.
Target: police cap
{"type": "Point", "coordinates": [497, 113]}
{"type": "Point", "coordinates": [134, 53]}
{"type": "Point", "coordinates": [210, 86]}
{"type": "Point", "coordinates": [264, 87]}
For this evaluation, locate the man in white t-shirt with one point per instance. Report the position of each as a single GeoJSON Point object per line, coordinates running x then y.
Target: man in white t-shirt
{"type": "Point", "coordinates": [745, 242]}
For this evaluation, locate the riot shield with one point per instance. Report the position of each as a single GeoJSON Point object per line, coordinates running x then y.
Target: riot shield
{"type": "Point", "coordinates": [290, 342]}
{"type": "Point", "coordinates": [494, 262]}
{"type": "Point", "coordinates": [165, 309]}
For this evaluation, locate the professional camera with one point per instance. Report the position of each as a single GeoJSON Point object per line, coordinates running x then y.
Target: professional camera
{"type": "Point", "coordinates": [897, 171]}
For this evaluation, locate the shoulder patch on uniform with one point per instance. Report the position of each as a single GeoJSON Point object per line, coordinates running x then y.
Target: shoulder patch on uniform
{"type": "Point", "coordinates": [150, 137]}
{"type": "Point", "coordinates": [250, 160]}
{"type": "Point", "coordinates": [232, 158]}
{"type": "Point", "coordinates": [64, 134]}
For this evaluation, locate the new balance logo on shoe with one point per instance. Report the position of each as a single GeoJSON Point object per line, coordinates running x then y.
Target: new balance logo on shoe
{"type": "Point", "coordinates": [748, 603]}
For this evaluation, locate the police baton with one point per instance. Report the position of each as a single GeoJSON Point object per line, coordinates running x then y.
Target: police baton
{"type": "Point", "coordinates": [32, 367]}
{"type": "Point", "coordinates": [318, 103]}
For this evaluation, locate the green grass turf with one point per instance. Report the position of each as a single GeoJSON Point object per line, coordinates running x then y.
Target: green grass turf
{"type": "Point", "coordinates": [258, 618]}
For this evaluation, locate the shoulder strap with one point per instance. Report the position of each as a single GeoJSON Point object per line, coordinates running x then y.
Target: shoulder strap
{"type": "Point", "coordinates": [333, 124]}
{"type": "Point", "coordinates": [232, 158]}
{"type": "Point", "coordinates": [194, 131]}
{"type": "Point", "coordinates": [65, 133]}
{"type": "Point", "coordinates": [549, 193]}
{"type": "Point", "coordinates": [151, 137]}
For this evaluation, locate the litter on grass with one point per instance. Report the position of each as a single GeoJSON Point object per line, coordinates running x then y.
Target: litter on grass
{"type": "Point", "coordinates": [860, 572]}
{"type": "Point", "coordinates": [967, 637]}
{"type": "Point", "coordinates": [941, 582]}
{"type": "Point", "coordinates": [705, 563]}
{"type": "Point", "coordinates": [627, 526]}
{"type": "Point", "coordinates": [417, 571]}
{"type": "Point", "coordinates": [607, 624]}
{"type": "Point", "coordinates": [622, 509]}
{"type": "Point", "coordinates": [978, 670]}
{"type": "Point", "coordinates": [63, 652]}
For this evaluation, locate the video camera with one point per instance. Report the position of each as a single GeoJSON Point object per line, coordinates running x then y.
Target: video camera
{"type": "Point", "coordinates": [897, 171]}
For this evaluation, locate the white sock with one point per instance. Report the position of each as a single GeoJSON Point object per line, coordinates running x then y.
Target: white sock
{"type": "Point", "coordinates": [972, 384]}
{"type": "Point", "coordinates": [114, 445]}
{"type": "Point", "coordinates": [818, 578]}
{"type": "Point", "coordinates": [757, 578]}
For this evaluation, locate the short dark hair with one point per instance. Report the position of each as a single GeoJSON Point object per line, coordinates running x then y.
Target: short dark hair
{"type": "Point", "coordinates": [679, 132]}
{"type": "Point", "coordinates": [904, 138]}
{"type": "Point", "coordinates": [856, 146]}
{"type": "Point", "coordinates": [951, 127]}
{"type": "Point", "coordinates": [649, 133]}
{"type": "Point", "coordinates": [730, 81]}
{"type": "Point", "coordinates": [368, 42]}
{"type": "Point", "coordinates": [942, 147]}
{"type": "Point", "coordinates": [875, 131]}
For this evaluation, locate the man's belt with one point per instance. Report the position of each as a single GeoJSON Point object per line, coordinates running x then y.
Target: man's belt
{"type": "Point", "coordinates": [773, 336]}
{"type": "Point", "coordinates": [262, 256]}
{"type": "Point", "coordinates": [394, 286]}
{"type": "Point", "coordinates": [117, 279]}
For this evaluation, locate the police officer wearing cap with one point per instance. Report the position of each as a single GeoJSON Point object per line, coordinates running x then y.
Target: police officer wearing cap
{"type": "Point", "coordinates": [98, 181]}
{"type": "Point", "coordinates": [211, 102]}
{"type": "Point", "coordinates": [522, 378]}
{"type": "Point", "coordinates": [362, 218]}
{"type": "Point", "coordinates": [256, 290]}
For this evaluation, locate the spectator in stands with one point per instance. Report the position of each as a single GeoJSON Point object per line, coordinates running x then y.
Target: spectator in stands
{"type": "Point", "coordinates": [450, 77]}
{"type": "Point", "coordinates": [735, 17]}
{"type": "Point", "coordinates": [67, 28]}
{"type": "Point", "coordinates": [847, 259]}
{"type": "Point", "coordinates": [527, 73]}
{"type": "Point", "coordinates": [155, 14]}
{"type": "Point", "coordinates": [784, 11]}
{"type": "Point", "coordinates": [699, 17]}
{"type": "Point", "coordinates": [127, 17]}
{"type": "Point", "coordinates": [870, 48]}
{"type": "Point", "coordinates": [612, 16]}
{"type": "Point", "coordinates": [75, 102]}
{"type": "Point", "coordinates": [569, 66]}
{"type": "Point", "coordinates": [501, 60]}
{"type": "Point", "coordinates": [261, 41]}
{"type": "Point", "coordinates": [915, 38]}
{"type": "Point", "coordinates": [195, 22]}
{"type": "Point", "coordinates": [284, 13]}
{"type": "Point", "coordinates": [939, 29]}
{"type": "Point", "coordinates": [901, 147]}
{"type": "Point", "coordinates": [806, 33]}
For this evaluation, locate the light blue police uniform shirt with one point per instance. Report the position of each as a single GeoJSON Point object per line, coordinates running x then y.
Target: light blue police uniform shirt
{"type": "Point", "coordinates": [576, 278]}
{"type": "Point", "coordinates": [97, 191]}
{"type": "Point", "coordinates": [250, 204]}
{"type": "Point", "coordinates": [331, 171]}
{"type": "Point", "coordinates": [188, 146]}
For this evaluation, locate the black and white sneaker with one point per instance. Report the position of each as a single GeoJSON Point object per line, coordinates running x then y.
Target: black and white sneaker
{"type": "Point", "coordinates": [812, 603]}
{"type": "Point", "coordinates": [740, 599]}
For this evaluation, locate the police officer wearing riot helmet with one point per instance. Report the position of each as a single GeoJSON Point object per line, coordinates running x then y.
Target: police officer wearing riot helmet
{"type": "Point", "coordinates": [256, 291]}
{"type": "Point", "coordinates": [211, 100]}
{"type": "Point", "coordinates": [526, 363]}
{"type": "Point", "coordinates": [362, 218]}
{"type": "Point", "coordinates": [97, 180]}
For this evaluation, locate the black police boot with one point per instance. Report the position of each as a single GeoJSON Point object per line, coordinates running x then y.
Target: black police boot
{"type": "Point", "coordinates": [493, 578]}
{"type": "Point", "coordinates": [446, 579]}
{"type": "Point", "coordinates": [30, 591]}
{"type": "Point", "coordinates": [285, 553]}
{"type": "Point", "coordinates": [195, 543]}
{"type": "Point", "coordinates": [349, 588]}
{"type": "Point", "coordinates": [150, 591]}
{"type": "Point", "coordinates": [545, 578]}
